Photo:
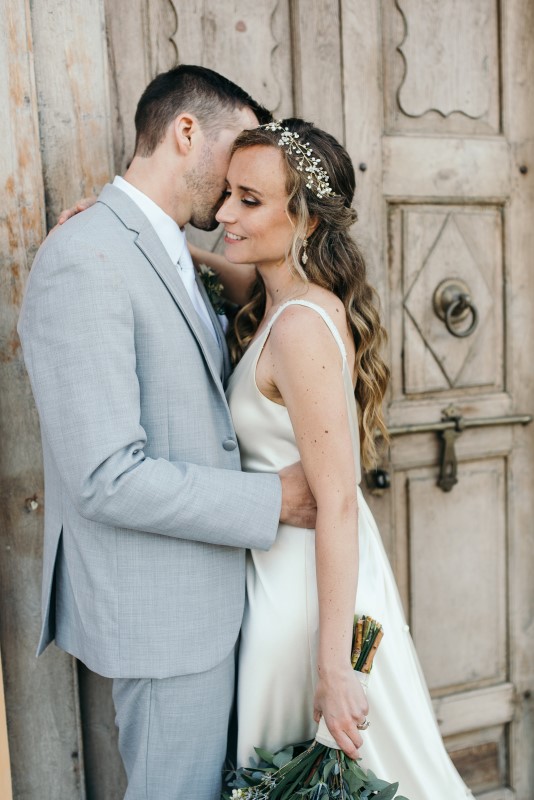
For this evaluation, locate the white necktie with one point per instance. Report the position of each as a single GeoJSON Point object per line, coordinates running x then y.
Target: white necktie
{"type": "Point", "coordinates": [186, 270]}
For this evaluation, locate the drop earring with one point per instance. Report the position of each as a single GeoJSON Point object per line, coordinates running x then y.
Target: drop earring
{"type": "Point", "coordinates": [304, 256]}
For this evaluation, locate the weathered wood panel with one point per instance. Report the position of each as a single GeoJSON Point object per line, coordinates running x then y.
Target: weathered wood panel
{"type": "Point", "coordinates": [71, 75]}
{"type": "Point", "coordinates": [248, 42]}
{"type": "Point", "coordinates": [518, 68]}
{"type": "Point", "coordinates": [362, 108]}
{"type": "Point", "coordinates": [462, 139]}
{"type": "Point", "coordinates": [469, 711]}
{"type": "Point", "coordinates": [481, 757]}
{"type": "Point", "coordinates": [436, 167]}
{"type": "Point", "coordinates": [41, 696]}
{"type": "Point", "coordinates": [127, 31]}
{"type": "Point", "coordinates": [317, 72]}
{"type": "Point", "coordinates": [72, 80]}
{"type": "Point", "coordinates": [441, 65]}
{"type": "Point", "coordinates": [467, 649]}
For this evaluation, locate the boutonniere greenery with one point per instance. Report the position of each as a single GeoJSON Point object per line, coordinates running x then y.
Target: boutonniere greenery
{"type": "Point", "coordinates": [214, 288]}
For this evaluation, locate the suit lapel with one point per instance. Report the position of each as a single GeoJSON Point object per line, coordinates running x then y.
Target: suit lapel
{"type": "Point", "coordinates": [149, 244]}
{"type": "Point", "coordinates": [221, 338]}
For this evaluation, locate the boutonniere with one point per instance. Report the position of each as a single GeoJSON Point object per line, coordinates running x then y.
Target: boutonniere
{"type": "Point", "coordinates": [214, 288]}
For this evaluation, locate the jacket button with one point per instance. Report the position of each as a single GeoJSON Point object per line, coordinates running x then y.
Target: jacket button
{"type": "Point", "coordinates": [229, 444]}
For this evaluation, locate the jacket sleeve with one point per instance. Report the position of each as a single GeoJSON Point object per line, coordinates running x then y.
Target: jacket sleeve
{"type": "Point", "coordinates": [77, 332]}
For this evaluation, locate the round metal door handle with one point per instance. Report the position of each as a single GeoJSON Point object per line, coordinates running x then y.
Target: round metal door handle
{"type": "Point", "coordinates": [453, 304]}
{"type": "Point", "coordinates": [462, 303]}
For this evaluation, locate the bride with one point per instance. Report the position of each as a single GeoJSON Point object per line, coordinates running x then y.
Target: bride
{"type": "Point", "coordinates": [307, 346]}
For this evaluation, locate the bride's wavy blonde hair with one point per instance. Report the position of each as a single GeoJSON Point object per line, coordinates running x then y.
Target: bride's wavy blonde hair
{"type": "Point", "coordinates": [334, 262]}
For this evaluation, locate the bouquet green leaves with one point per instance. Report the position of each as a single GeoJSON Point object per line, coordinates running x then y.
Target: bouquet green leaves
{"type": "Point", "coordinates": [313, 770]}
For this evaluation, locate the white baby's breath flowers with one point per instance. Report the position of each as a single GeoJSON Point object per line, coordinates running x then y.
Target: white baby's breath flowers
{"type": "Point", "coordinates": [317, 180]}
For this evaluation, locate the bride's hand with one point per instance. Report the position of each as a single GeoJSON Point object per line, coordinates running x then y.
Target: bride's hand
{"type": "Point", "coordinates": [81, 205]}
{"type": "Point", "coordinates": [341, 700]}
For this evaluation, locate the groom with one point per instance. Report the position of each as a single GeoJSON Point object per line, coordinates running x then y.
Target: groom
{"type": "Point", "coordinates": [147, 510]}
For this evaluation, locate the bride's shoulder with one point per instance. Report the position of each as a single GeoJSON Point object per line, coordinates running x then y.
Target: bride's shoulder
{"type": "Point", "coordinates": [313, 309]}
{"type": "Point", "coordinates": [300, 325]}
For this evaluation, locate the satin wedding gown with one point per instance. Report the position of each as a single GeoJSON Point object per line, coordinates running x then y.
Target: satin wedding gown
{"type": "Point", "coordinates": [280, 628]}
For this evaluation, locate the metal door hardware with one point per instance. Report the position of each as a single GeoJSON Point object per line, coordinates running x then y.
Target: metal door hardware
{"type": "Point", "coordinates": [377, 480]}
{"type": "Point", "coordinates": [449, 429]}
{"type": "Point", "coordinates": [452, 304]}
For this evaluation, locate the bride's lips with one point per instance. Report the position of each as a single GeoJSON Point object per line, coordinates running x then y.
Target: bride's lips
{"type": "Point", "coordinates": [232, 238]}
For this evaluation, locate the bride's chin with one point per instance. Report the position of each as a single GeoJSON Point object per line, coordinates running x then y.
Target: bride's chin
{"type": "Point", "coordinates": [232, 257]}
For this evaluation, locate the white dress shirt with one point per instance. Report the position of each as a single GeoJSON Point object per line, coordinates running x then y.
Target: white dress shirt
{"type": "Point", "coordinates": [174, 242]}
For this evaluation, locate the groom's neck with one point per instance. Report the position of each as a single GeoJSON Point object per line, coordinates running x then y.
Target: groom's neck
{"type": "Point", "coordinates": [161, 183]}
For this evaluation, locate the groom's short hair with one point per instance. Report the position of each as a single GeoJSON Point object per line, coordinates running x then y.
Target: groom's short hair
{"type": "Point", "coordinates": [211, 97]}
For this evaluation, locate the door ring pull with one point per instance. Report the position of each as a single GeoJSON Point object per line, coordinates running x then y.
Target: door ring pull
{"type": "Point", "coordinates": [462, 302]}
{"type": "Point", "coordinates": [452, 304]}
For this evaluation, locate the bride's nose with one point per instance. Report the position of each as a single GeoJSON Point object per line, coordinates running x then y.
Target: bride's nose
{"type": "Point", "coordinates": [225, 213]}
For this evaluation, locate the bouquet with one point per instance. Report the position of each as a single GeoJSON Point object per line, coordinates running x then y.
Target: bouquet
{"type": "Point", "coordinates": [318, 770]}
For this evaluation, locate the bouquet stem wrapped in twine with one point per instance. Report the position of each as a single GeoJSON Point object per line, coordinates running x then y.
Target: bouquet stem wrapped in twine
{"type": "Point", "coordinates": [367, 635]}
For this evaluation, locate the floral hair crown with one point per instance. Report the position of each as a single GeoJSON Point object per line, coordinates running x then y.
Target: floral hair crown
{"type": "Point", "coordinates": [317, 178]}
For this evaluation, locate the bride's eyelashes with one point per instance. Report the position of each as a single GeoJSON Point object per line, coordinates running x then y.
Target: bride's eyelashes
{"type": "Point", "coordinates": [246, 200]}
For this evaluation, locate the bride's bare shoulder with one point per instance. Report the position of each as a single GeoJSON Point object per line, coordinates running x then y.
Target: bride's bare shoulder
{"type": "Point", "coordinates": [299, 328]}
{"type": "Point", "coordinates": [334, 308]}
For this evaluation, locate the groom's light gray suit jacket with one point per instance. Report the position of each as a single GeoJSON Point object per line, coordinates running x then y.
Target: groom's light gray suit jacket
{"type": "Point", "coordinates": [146, 509]}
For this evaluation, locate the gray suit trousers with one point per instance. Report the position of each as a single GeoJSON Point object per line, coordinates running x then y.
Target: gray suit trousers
{"type": "Point", "coordinates": [173, 733]}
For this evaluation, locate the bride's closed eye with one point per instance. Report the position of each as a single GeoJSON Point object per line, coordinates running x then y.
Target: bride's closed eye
{"type": "Point", "coordinates": [247, 201]}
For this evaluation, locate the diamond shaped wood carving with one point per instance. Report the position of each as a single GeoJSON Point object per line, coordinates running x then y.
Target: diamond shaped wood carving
{"type": "Point", "coordinates": [439, 245]}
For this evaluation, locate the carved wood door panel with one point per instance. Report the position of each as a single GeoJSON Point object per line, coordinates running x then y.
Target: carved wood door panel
{"type": "Point", "coordinates": [440, 147]}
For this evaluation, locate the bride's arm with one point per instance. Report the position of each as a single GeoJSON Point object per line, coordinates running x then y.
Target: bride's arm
{"type": "Point", "coordinates": [306, 371]}
{"type": "Point", "coordinates": [237, 279]}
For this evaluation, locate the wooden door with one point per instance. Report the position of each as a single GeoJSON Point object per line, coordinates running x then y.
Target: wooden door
{"type": "Point", "coordinates": [434, 100]}
{"type": "Point", "coordinates": [438, 109]}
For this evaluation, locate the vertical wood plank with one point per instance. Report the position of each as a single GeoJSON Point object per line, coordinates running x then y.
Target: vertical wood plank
{"type": "Point", "coordinates": [5, 768]}
{"type": "Point", "coordinates": [76, 106]}
{"type": "Point", "coordinates": [362, 93]}
{"type": "Point", "coordinates": [317, 66]}
{"type": "Point", "coordinates": [72, 84]}
{"type": "Point", "coordinates": [127, 30]}
{"type": "Point", "coordinates": [518, 122]}
{"type": "Point", "coordinates": [41, 701]}
{"type": "Point", "coordinates": [363, 123]}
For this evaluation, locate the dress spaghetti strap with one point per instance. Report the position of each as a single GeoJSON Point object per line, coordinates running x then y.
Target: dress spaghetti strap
{"type": "Point", "coordinates": [322, 313]}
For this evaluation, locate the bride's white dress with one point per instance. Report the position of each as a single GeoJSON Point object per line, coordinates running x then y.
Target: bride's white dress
{"type": "Point", "coordinates": [280, 628]}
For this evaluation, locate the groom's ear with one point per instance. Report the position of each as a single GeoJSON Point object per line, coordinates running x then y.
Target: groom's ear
{"type": "Point", "coordinates": [185, 130]}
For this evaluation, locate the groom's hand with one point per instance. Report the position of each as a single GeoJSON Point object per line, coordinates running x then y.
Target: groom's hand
{"type": "Point", "coordinates": [298, 504]}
